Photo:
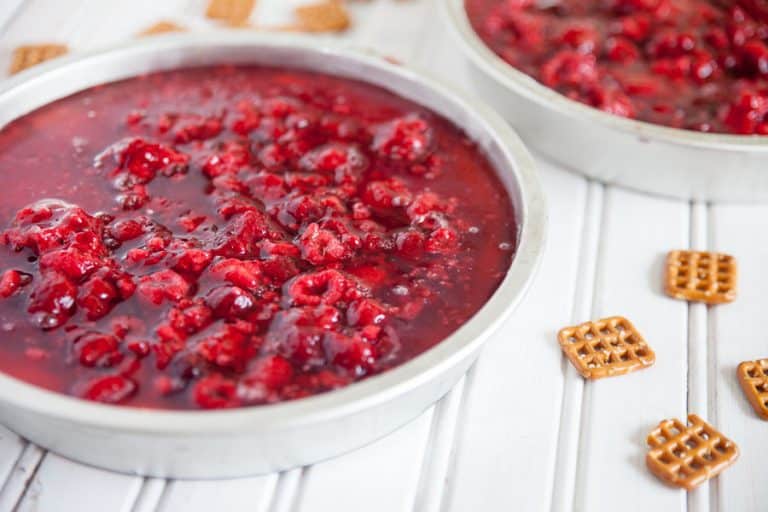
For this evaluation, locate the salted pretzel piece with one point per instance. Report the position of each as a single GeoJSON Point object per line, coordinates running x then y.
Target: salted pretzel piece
{"type": "Point", "coordinates": [161, 27]}
{"type": "Point", "coordinates": [233, 12]}
{"type": "Point", "coordinates": [30, 55]}
{"type": "Point", "coordinates": [701, 276]}
{"type": "Point", "coordinates": [605, 348]}
{"type": "Point", "coordinates": [753, 377]}
{"type": "Point", "coordinates": [324, 16]}
{"type": "Point", "coordinates": [687, 455]}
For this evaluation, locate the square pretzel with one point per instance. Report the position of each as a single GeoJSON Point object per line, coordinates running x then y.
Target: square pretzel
{"type": "Point", "coordinates": [605, 348]}
{"type": "Point", "coordinates": [324, 16]}
{"type": "Point", "coordinates": [753, 377]}
{"type": "Point", "coordinates": [233, 12]}
{"type": "Point", "coordinates": [687, 455]}
{"type": "Point", "coordinates": [31, 55]}
{"type": "Point", "coordinates": [701, 276]}
{"type": "Point", "coordinates": [161, 27]}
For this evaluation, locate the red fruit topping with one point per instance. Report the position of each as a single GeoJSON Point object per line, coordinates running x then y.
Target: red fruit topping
{"type": "Point", "coordinates": [215, 392]}
{"type": "Point", "coordinates": [112, 389]}
{"type": "Point", "coordinates": [248, 236]}
{"type": "Point", "coordinates": [668, 62]}
{"type": "Point", "coordinates": [163, 285]}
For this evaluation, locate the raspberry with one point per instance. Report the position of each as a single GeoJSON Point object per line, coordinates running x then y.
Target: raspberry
{"type": "Point", "coordinates": [410, 243]}
{"type": "Point", "coordinates": [197, 128]}
{"type": "Point", "coordinates": [163, 285]}
{"type": "Point", "coordinates": [245, 274]}
{"type": "Point", "coordinates": [388, 194]}
{"type": "Point", "coordinates": [111, 389]}
{"type": "Point", "coordinates": [97, 296]}
{"type": "Point", "coordinates": [97, 349]}
{"type": "Point", "coordinates": [319, 246]}
{"type": "Point", "coordinates": [11, 281]}
{"type": "Point", "coordinates": [215, 392]}
{"type": "Point", "coordinates": [326, 287]}
{"type": "Point", "coordinates": [192, 261]}
{"type": "Point", "coordinates": [138, 162]}
{"type": "Point", "coordinates": [407, 138]}
{"type": "Point", "coordinates": [232, 157]}
{"type": "Point", "coordinates": [366, 312]}
{"type": "Point", "coordinates": [230, 302]}
{"type": "Point", "coordinates": [263, 378]}
{"type": "Point", "coordinates": [52, 301]}
{"type": "Point", "coordinates": [228, 347]}
{"type": "Point", "coordinates": [350, 352]}
{"type": "Point", "coordinates": [238, 239]}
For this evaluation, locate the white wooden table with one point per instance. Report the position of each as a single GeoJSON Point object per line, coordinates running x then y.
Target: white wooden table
{"type": "Point", "coordinates": [529, 435]}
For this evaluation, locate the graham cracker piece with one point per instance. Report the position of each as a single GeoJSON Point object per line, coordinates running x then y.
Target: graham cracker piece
{"type": "Point", "coordinates": [162, 27]}
{"type": "Point", "coordinates": [701, 276]}
{"type": "Point", "coordinates": [753, 377]}
{"type": "Point", "coordinates": [232, 12]}
{"type": "Point", "coordinates": [323, 16]}
{"type": "Point", "coordinates": [30, 55]}
{"type": "Point", "coordinates": [605, 348]}
{"type": "Point", "coordinates": [687, 455]}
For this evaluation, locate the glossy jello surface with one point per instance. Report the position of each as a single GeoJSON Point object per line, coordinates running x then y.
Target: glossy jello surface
{"type": "Point", "coordinates": [693, 64]}
{"type": "Point", "coordinates": [233, 236]}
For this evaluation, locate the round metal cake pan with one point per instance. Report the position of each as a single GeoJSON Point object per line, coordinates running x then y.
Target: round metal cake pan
{"type": "Point", "coordinates": [217, 444]}
{"type": "Point", "coordinates": [642, 156]}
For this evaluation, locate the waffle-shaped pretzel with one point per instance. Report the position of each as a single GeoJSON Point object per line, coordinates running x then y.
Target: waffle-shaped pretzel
{"type": "Point", "coordinates": [685, 456]}
{"type": "Point", "coordinates": [607, 347]}
{"type": "Point", "coordinates": [233, 12]}
{"type": "Point", "coordinates": [27, 56]}
{"type": "Point", "coordinates": [162, 27]}
{"type": "Point", "coordinates": [324, 16]}
{"type": "Point", "coordinates": [701, 276]}
{"type": "Point", "coordinates": [753, 376]}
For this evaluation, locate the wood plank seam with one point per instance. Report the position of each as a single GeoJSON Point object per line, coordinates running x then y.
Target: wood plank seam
{"type": "Point", "coordinates": [712, 398]}
{"type": "Point", "coordinates": [20, 7]}
{"type": "Point", "coordinates": [26, 467]}
{"type": "Point", "coordinates": [563, 495]}
{"type": "Point", "coordinates": [697, 351]}
{"type": "Point", "coordinates": [288, 490]}
{"type": "Point", "coordinates": [441, 438]}
{"type": "Point", "coordinates": [594, 311]}
{"type": "Point", "coordinates": [461, 422]}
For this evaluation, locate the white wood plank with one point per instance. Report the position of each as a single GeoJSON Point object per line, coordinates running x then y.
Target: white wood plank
{"type": "Point", "coordinates": [8, 10]}
{"type": "Point", "coordinates": [567, 454]}
{"type": "Point", "coordinates": [738, 334]}
{"type": "Point", "coordinates": [619, 412]}
{"type": "Point", "coordinates": [439, 450]}
{"type": "Point", "coordinates": [243, 494]}
{"type": "Point", "coordinates": [11, 447]}
{"type": "Point", "coordinates": [60, 484]}
{"type": "Point", "coordinates": [381, 477]}
{"type": "Point", "coordinates": [22, 473]}
{"type": "Point", "coordinates": [508, 435]}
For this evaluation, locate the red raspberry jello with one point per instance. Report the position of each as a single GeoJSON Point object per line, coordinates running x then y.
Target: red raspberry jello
{"type": "Point", "coordinates": [232, 236]}
{"type": "Point", "coordinates": [692, 64]}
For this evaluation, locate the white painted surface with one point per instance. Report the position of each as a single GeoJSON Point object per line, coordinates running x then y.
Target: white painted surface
{"type": "Point", "coordinates": [522, 431]}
